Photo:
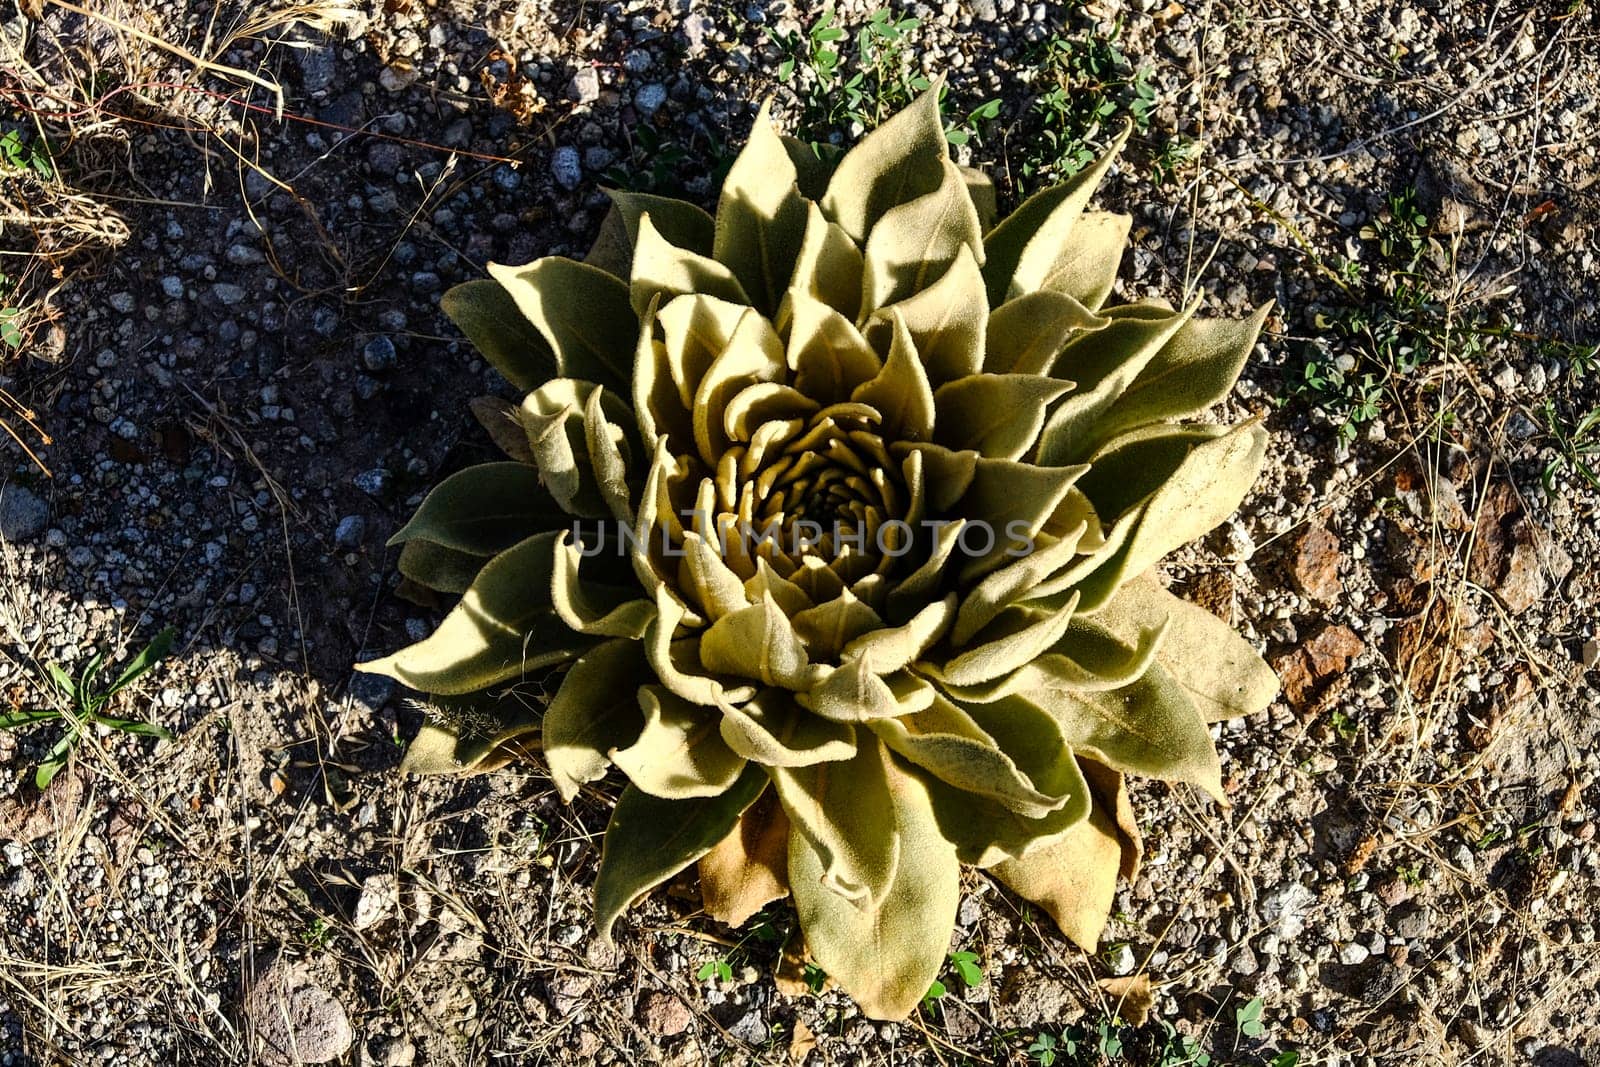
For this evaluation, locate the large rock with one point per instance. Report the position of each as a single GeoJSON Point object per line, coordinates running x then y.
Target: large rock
{"type": "Point", "coordinates": [1430, 495]}
{"type": "Point", "coordinates": [380, 898]}
{"type": "Point", "coordinates": [1511, 556]}
{"type": "Point", "coordinates": [319, 64]}
{"type": "Point", "coordinates": [1314, 564]}
{"type": "Point", "coordinates": [23, 514]}
{"type": "Point", "coordinates": [1404, 565]}
{"type": "Point", "coordinates": [1430, 648]}
{"type": "Point", "coordinates": [663, 1014]}
{"type": "Point", "coordinates": [294, 1019]}
{"type": "Point", "coordinates": [1307, 669]}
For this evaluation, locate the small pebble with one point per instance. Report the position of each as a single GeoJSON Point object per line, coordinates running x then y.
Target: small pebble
{"type": "Point", "coordinates": [375, 482]}
{"type": "Point", "coordinates": [649, 98]}
{"type": "Point", "coordinates": [351, 530]}
{"type": "Point", "coordinates": [397, 78]}
{"type": "Point", "coordinates": [584, 88]}
{"type": "Point", "coordinates": [565, 167]}
{"type": "Point", "coordinates": [697, 29]}
{"type": "Point", "coordinates": [378, 354]}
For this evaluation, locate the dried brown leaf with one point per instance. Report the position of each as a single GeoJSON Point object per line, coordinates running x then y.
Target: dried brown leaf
{"type": "Point", "coordinates": [1134, 996]}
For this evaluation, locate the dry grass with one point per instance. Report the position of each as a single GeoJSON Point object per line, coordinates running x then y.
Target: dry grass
{"type": "Point", "coordinates": [79, 85]}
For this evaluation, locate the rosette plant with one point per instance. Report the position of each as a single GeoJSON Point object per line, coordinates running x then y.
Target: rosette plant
{"type": "Point", "coordinates": [839, 510]}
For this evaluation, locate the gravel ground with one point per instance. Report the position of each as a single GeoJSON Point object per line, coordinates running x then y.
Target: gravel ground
{"type": "Point", "coordinates": [256, 387]}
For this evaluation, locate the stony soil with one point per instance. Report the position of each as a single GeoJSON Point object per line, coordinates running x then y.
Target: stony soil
{"type": "Point", "coordinates": [251, 392]}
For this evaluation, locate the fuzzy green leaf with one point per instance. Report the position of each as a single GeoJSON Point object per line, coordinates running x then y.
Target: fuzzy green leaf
{"type": "Point", "coordinates": [898, 162]}
{"type": "Point", "coordinates": [1012, 583]}
{"type": "Point", "coordinates": [489, 316]}
{"type": "Point", "coordinates": [650, 839]}
{"type": "Point", "coordinates": [612, 248]}
{"type": "Point", "coordinates": [1026, 248]}
{"type": "Point", "coordinates": [558, 437]}
{"type": "Point", "coordinates": [1104, 364]}
{"type": "Point", "coordinates": [754, 353]}
{"type": "Point", "coordinates": [662, 269]}
{"type": "Point", "coordinates": [661, 414]}
{"type": "Point", "coordinates": [814, 166]}
{"type": "Point", "coordinates": [483, 510]}
{"type": "Point", "coordinates": [1127, 471]}
{"type": "Point", "coordinates": [679, 753]}
{"type": "Point", "coordinates": [583, 314]}
{"type": "Point", "coordinates": [503, 627]}
{"type": "Point", "coordinates": [884, 951]}
{"type": "Point", "coordinates": [946, 320]}
{"type": "Point", "coordinates": [901, 392]}
{"type": "Point", "coordinates": [833, 624]}
{"type": "Point", "coordinates": [609, 450]}
{"type": "Point", "coordinates": [444, 570]}
{"type": "Point", "coordinates": [980, 187]}
{"type": "Point", "coordinates": [473, 734]}
{"type": "Point", "coordinates": [829, 266]}
{"type": "Point", "coordinates": [1073, 877]}
{"type": "Point", "coordinates": [854, 692]}
{"type": "Point", "coordinates": [948, 743]}
{"type": "Point", "coordinates": [679, 222]}
{"type": "Point", "coordinates": [828, 355]}
{"type": "Point", "coordinates": [757, 642]}
{"type": "Point", "coordinates": [696, 329]}
{"type": "Point", "coordinates": [916, 588]}
{"type": "Point", "coordinates": [1224, 676]}
{"type": "Point", "coordinates": [1086, 658]}
{"type": "Point", "coordinates": [761, 216]}
{"type": "Point", "coordinates": [1015, 637]}
{"type": "Point", "coordinates": [890, 649]}
{"type": "Point", "coordinates": [1202, 490]}
{"type": "Point", "coordinates": [916, 243]}
{"type": "Point", "coordinates": [1191, 372]}
{"type": "Point", "coordinates": [986, 832]}
{"type": "Point", "coordinates": [711, 583]}
{"type": "Point", "coordinates": [595, 711]}
{"type": "Point", "coordinates": [602, 609]}
{"type": "Point", "coordinates": [1026, 335]}
{"type": "Point", "coordinates": [774, 731]}
{"type": "Point", "coordinates": [845, 810]}
{"type": "Point", "coordinates": [997, 415]}
{"type": "Point", "coordinates": [1086, 269]}
{"type": "Point", "coordinates": [1032, 740]}
{"type": "Point", "coordinates": [1149, 728]}
{"type": "Point", "coordinates": [1015, 499]}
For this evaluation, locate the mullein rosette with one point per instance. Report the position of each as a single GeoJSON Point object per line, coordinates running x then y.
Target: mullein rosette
{"type": "Point", "coordinates": [944, 644]}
